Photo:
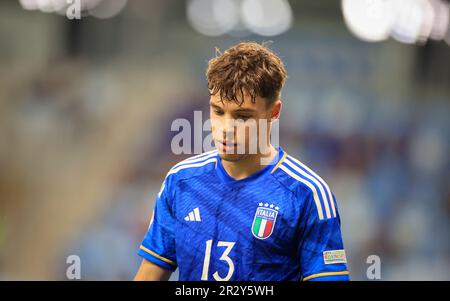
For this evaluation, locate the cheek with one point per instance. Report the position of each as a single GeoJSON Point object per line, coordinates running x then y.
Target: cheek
{"type": "Point", "coordinates": [215, 125]}
{"type": "Point", "coordinates": [253, 131]}
{"type": "Point", "coordinates": [243, 133]}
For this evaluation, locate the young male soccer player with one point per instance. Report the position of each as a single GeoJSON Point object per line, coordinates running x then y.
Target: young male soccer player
{"type": "Point", "coordinates": [242, 215]}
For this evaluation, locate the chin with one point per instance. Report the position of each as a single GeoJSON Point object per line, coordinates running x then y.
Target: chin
{"type": "Point", "coordinates": [232, 157]}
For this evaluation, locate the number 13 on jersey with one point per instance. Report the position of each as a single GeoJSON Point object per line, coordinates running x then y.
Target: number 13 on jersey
{"type": "Point", "coordinates": [229, 245]}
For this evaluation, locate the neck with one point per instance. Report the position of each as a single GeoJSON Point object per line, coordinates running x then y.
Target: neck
{"type": "Point", "coordinates": [249, 164]}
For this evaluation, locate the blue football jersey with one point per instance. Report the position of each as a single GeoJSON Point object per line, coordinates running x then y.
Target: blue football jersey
{"type": "Point", "coordinates": [280, 223]}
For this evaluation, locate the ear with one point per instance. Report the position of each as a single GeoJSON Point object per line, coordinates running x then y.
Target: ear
{"type": "Point", "coordinates": [276, 110]}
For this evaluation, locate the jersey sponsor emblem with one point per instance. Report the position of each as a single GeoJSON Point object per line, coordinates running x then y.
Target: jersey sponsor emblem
{"type": "Point", "coordinates": [264, 220]}
{"type": "Point", "coordinates": [334, 256]}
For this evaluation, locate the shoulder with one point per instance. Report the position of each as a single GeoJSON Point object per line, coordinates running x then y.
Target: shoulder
{"type": "Point", "coordinates": [191, 167]}
{"type": "Point", "coordinates": [307, 185]}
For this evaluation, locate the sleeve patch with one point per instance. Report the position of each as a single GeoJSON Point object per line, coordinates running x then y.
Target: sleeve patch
{"type": "Point", "coordinates": [334, 256]}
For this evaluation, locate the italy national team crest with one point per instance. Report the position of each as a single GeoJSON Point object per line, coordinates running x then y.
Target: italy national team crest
{"type": "Point", "coordinates": [264, 220]}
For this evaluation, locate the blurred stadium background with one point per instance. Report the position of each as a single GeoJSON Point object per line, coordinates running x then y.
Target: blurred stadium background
{"type": "Point", "coordinates": [86, 107]}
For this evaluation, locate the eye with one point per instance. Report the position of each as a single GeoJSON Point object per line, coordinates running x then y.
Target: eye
{"type": "Point", "coordinates": [218, 112]}
{"type": "Point", "coordinates": [243, 117]}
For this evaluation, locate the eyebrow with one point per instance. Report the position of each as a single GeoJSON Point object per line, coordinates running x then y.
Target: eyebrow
{"type": "Point", "coordinates": [245, 110]}
{"type": "Point", "coordinates": [241, 110]}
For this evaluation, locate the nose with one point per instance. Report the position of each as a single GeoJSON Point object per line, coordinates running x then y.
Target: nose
{"type": "Point", "coordinates": [228, 129]}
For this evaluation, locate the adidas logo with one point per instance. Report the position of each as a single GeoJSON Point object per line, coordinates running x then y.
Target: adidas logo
{"type": "Point", "coordinates": [193, 216]}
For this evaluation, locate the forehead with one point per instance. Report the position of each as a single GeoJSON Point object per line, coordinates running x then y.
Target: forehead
{"type": "Point", "coordinates": [247, 104]}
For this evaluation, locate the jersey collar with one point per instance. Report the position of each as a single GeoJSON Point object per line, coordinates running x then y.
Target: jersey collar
{"type": "Point", "coordinates": [227, 179]}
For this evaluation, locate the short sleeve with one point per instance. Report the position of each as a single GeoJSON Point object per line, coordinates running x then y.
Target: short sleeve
{"type": "Point", "coordinates": [321, 248]}
{"type": "Point", "coordinates": [158, 245]}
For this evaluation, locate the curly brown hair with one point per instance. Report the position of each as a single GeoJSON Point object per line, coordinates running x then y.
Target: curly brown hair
{"type": "Point", "coordinates": [247, 67]}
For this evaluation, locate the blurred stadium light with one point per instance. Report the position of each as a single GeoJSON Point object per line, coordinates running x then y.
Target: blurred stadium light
{"type": "Point", "coordinates": [218, 17]}
{"type": "Point", "coordinates": [267, 18]}
{"type": "Point", "coordinates": [370, 21]}
{"type": "Point", "coordinates": [101, 9]}
{"type": "Point", "coordinates": [407, 21]}
{"type": "Point", "coordinates": [441, 20]}
{"type": "Point", "coordinates": [213, 17]}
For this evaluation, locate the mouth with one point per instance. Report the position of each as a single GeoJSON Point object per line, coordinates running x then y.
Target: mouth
{"type": "Point", "coordinates": [226, 145]}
